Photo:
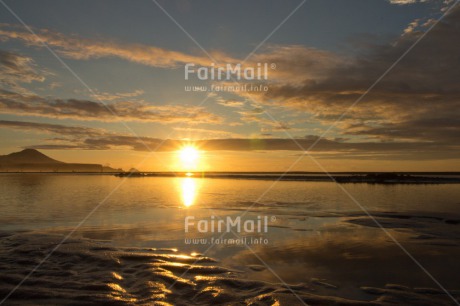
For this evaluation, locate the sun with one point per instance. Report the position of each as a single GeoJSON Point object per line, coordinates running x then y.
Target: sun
{"type": "Point", "coordinates": [189, 156]}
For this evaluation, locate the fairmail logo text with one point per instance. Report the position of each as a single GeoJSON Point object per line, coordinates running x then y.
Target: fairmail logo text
{"type": "Point", "coordinates": [226, 224]}
{"type": "Point", "coordinates": [228, 72]}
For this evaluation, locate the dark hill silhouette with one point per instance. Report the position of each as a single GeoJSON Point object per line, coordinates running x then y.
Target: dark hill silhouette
{"type": "Point", "coordinates": [30, 156]}
{"type": "Point", "coordinates": [31, 160]}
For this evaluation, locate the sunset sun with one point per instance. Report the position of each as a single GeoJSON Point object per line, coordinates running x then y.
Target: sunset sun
{"type": "Point", "coordinates": [189, 156]}
{"type": "Point", "coordinates": [320, 139]}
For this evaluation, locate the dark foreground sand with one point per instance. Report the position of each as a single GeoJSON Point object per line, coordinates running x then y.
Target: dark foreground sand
{"type": "Point", "coordinates": [90, 272]}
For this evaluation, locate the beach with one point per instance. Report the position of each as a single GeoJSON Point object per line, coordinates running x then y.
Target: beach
{"type": "Point", "coordinates": [230, 152]}
{"type": "Point", "coordinates": [316, 248]}
{"type": "Point", "coordinates": [90, 272]}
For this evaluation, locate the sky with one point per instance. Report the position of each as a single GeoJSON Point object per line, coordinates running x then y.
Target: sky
{"type": "Point", "coordinates": [365, 85]}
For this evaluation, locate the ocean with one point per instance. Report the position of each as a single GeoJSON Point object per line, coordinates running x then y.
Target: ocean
{"type": "Point", "coordinates": [143, 240]}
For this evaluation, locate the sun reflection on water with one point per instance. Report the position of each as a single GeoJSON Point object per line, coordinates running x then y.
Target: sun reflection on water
{"type": "Point", "coordinates": [188, 191]}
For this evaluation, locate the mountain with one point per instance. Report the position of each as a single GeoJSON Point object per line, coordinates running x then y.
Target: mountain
{"type": "Point", "coordinates": [31, 160]}
{"type": "Point", "coordinates": [28, 156]}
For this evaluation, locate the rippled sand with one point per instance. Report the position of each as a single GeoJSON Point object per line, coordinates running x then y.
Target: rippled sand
{"type": "Point", "coordinates": [90, 272]}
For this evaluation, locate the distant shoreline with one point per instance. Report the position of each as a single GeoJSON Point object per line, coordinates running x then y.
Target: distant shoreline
{"type": "Point", "coordinates": [244, 172]}
{"type": "Point", "coordinates": [370, 177]}
{"type": "Point", "coordinates": [339, 177]}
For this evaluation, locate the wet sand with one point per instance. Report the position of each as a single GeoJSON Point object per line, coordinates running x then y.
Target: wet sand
{"type": "Point", "coordinates": [132, 251]}
{"type": "Point", "coordinates": [86, 271]}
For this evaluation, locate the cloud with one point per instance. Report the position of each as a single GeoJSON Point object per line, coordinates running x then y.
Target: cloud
{"type": "Point", "coordinates": [63, 130]}
{"type": "Point", "coordinates": [289, 58]}
{"type": "Point", "coordinates": [85, 138]}
{"type": "Point", "coordinates": [404, 2]}
{"type": "Point", "coordinates": [297, 64]}
{"type": "Point", "coordinates": [294, 63]}
{"type": "Point", "coordinates": [16, 69]}
{"type": "Point", "coordinates": [106, 96]}
{"type": "Point", "coordinates": [418, 101]}
{"type": "Point", "coordinates": [229, 102]}
{"type": "Point", "coordinates": [196, 133]}
{"type": "Point", "coordinates": [75, 47]}
{"type": "Point", "coordinates": [33, 105]}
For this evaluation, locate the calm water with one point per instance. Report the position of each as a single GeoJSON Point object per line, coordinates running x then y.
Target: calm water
{"type": "Point", "coordinates": [44, 200]}
{"type": "Point", "coordinates": [309, 234]}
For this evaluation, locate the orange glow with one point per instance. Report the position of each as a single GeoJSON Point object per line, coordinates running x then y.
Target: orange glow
{"type": "Point", "coordinates": [189, 157]}
{"type": "Point", "coordinates": [188, 191]}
